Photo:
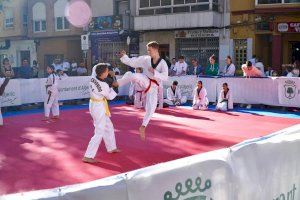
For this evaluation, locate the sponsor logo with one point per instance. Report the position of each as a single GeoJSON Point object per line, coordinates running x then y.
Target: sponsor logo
{"type": "Point", "coordinates": [190, 190]}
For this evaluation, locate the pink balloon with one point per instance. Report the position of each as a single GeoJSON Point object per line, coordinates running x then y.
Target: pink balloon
{"type": "Point", "coordinates": [78, 13]}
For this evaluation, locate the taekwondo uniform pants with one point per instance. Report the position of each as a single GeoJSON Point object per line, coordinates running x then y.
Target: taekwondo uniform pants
{"type": "Point", "coordinates": [183, 100]}
{"type": "Point", "coordinates": [51, 104]}
{"type": "Point", "coordinates": [103, 129]}
{"type": "Point", "coordinates": [223, 106]}
{"type": "Point", "coordinates": [200, 105]}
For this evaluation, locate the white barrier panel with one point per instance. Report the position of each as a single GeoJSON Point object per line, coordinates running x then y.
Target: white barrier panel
{"type": "Point", "coordinates": [113, 188]}
{"type": "Point", "coordinates": [268, 168]}
{"type": "Point", "coordinates": [251, 90]}
{"type": "Point", "coordinates": [206, 176]}
{"type": "Point", "coordinates": [31, 90]}
{"type": "Point", "coordinates": [289, 91]}
{"type": "Point", "coordinates": [11, 96]}
{"type": "Point", "coordinates": [277, 92]}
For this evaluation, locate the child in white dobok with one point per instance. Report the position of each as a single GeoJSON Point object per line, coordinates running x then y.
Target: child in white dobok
{"type": "Point", "coordinates": [225, 99]}
{"type": "Point", "coordinates": [155, 72]}
{"type": "Point", "coordinates": [200, 101]}
{"type": "Point", "coordinates": [51, 99]}
{"type": "Point", "coordinates": [100, 92]}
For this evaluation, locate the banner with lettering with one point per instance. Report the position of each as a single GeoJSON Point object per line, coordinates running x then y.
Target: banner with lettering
{"type": "Point", "coordinates": [11, 96]}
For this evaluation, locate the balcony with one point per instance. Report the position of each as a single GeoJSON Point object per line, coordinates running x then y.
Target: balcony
{"type": "Point", "coordinates": [172, 14]}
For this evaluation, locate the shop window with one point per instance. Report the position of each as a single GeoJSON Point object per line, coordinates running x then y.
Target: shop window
{"type": "Point", "coordinates": [240, 51]}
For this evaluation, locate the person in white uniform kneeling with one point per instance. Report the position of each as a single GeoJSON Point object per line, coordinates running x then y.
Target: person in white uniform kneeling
{"type": "Point", "coordinates": [99, 110]}
{"type": "Point", "coordinates": [225, 99]}
{"type": "Point", "coordinates": [200, 101]}
{"type": "Point", "coordinates": [174, 97]}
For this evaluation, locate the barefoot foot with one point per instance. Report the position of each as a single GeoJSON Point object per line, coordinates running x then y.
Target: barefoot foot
{"type": "Point", "coordinates": [115, 151]}
{"type": "Point", "coordinates": [142, 132]}
{"type": "Point", "coordinates": [89, 160]}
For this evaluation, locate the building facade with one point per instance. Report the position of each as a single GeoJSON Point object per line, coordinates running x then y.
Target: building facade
{"type": "Point", "coordinates": [269, 29]}
{"type": "Point", "coordinates": [194, 29]}
{"type": "Point", "coordinates": [14, 43]}
{"type": "Point", "coordinates": [111, 30]}
{"type": "Point", "coordinates": [54, 36]}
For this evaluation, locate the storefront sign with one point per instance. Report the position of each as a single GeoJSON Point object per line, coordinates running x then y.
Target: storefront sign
{"type": "Point", "coordinates": [197, 33]}
{"type": "Point", "coordinates": [289, 27]}
{"type": "Point", "coordinates": [106, 22]}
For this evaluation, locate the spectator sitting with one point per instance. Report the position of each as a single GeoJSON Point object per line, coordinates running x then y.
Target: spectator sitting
{"type": "Point", "coordinates": [174, 97]}
{"type": "Point", "coordinates": [6, 69]}
{"type": "Point", "coordinates": [66, 66]}
{"type": "Point", "coordinates": [259, 65]}
{"type": "Point", "coordinates": [172, 68]}
{"type": "Point", "coordinates": [35, 69]}
{"type": "Point", "coordinates": [250, 71]}
{"type": "Point", "coordinates": [57, 65]}
{"type": "Point", "coordinates": [115, 68]}
{"type": "Point", "coordinates": [180, 67]}
{"type": "Point", "coordinates": [195, 69]}
{"type": "Point", "coordinates": [25, 70]}
{"type": "Point", "coordinates": [230, 67]}
{"type": "Point", "coordinates": [200, 101]}
{"type": "Point", "coordinates": [213, 68]}
{"type": "Point", "coordinates": [81, 70]}
{"type": "Point", "coordinates": [74, 68]}
{"type": "Point", "coordinates": [61, 75]}
{"type": "Point", "coordinates": [225, 99]}
{"type": "Point", "coordinates": [269, 72]}
{"type": "Point", "coordinates": [292, 71]}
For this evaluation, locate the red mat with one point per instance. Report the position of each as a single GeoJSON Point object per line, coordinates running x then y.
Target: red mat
{"type": "Point", "coordinates": [38, 155]}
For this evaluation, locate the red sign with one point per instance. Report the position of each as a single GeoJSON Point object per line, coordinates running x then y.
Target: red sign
{"type": "Point", "coordinates": [289, 27]}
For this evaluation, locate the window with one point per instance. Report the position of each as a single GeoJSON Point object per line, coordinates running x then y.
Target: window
{"type": "Point", "coordinates": [240, 51]}
{"type": "Point", "coordinates": [39, 17]}
{"type": "Point", "coordinates": [61, 22]}
{"type": "Point", "coordinates": [25, 17]}
{"type": "Point", "coordinates": [277, 1]}
{"type": "Point", "coordinates": [156, 7]}
{"type": "Point", "coordinates": [9, 18]}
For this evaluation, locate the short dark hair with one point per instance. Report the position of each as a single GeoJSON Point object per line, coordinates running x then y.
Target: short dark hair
{"type": "Point", "coordinates": [101, 68]}
{"type": "Point", "coordinates": [249, 63]}
{"type": "Point", "coordinates": [200, 82]}
{"type": "Point", "coordinates": [181, 57]}
{"type": "Point", "coordinates": [173, 58]}
{"type": "Point", "coordinates": [225, 84]}
{"type": "Point", "coordinates": [212, 57]}
{"type": "Point", "coordinates": [153, 44]}
{"type": "Point", "coordinates": [25, 59]}
{"type": "Point", "coordinates": [194, 59]}
{"type": "Point", "coordinates": [175, 83]}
